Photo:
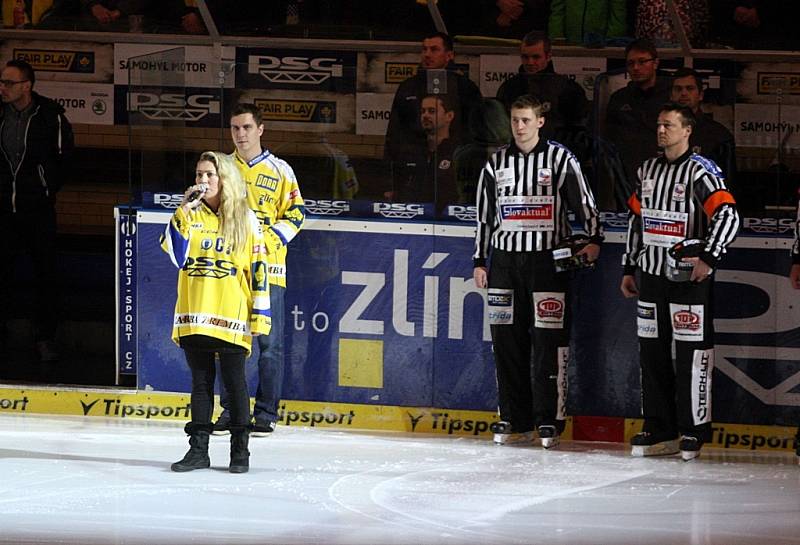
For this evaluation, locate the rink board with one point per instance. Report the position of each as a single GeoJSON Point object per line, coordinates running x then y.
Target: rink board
{"type": "Point", "coordinates": [442, 422]}
{"type": "Point", "coordinates": [384, 313]}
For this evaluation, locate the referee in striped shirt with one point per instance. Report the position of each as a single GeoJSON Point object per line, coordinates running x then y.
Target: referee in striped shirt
{"type": "Point", "coordinates": [794, 280]}
{"type": "Point", "coordinates": [679, 195]}
{"type": "Point", "coordinates": [524, 191]}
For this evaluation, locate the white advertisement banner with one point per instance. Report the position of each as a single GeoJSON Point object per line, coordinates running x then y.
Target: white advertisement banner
{"type": "Point", "coordinates": [372, 112]}
{"type": "Point", "coordinates": [583, 70]}
{"type": "Point", "coordinates": [88, 103]}
{"type": "Point", "coordinates": [766, 83]}
{"type": "Point", "coordinates": [62, 61]}
{"type": "Point", "coordinates": [495, 69]}
{"type": "Point", "coordinates": [173, 66]}
{"type": "Point", "coordinates": [758, 125]}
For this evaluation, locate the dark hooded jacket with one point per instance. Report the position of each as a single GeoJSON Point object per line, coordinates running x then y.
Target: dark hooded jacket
{"type": "Point", "coordinates": [40, 174]}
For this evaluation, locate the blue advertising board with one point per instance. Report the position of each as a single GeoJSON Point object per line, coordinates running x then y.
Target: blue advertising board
{"type": "Point", "coordinates": [386, 312]}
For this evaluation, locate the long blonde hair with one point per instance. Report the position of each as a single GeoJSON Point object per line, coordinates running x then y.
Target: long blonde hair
{"type": "Point", "coordinates": [233, 208]}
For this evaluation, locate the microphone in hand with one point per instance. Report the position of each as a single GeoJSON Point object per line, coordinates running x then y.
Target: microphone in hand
{"type": "Point", "coordinates": [192, 200]}
{"type": "Point", "coordinates": [197, 193]}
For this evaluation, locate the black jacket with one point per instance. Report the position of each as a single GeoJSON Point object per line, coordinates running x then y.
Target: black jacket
{"type": "Point", "coordinates": [405, 131]}
{"type": "Point", "coordinates": [565, 105]}
{"type": "Point", "coordinates": [48, 142]}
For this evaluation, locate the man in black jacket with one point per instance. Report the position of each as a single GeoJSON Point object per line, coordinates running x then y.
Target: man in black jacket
{"type": "Point", "coordinates": [35, 138]}
{"type": "Point", "coordinates": [709, 138]}
{"type": "Point", "coordinates": [437, 75]}
{"type": "Point", "coordinates": [564, 101]}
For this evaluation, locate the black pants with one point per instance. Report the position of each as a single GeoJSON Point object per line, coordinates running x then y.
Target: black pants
{"type": "Point", "coordinates": [200, 351]}
{"type": "Point", "coordinates": [31, 234]}
{"type": "Point", "coordinates": [676, 399]}
{"type": "Point", "coordinates": [531, 353]}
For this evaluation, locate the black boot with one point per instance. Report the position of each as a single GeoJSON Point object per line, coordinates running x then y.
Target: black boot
{"type": "Point", "coordinates": [197, 456]}
{"type": "Point", "coordinates": [240, 456]}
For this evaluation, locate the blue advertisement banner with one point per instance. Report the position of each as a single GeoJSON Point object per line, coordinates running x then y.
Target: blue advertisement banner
{"type": "Point", "coordinates": [386, 312]}
{"type": "Point", "coordinates": [127, 291]}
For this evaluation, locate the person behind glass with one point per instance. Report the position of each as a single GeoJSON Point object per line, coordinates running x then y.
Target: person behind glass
{"type": "Point", "coordinates": [678, 196]}
{"type": "Point", "coordinates": [36, 141]}
{"type": "Point", "coordinates": [564, 100]}
{"type": "Point", "coordinates": [794, 280]}
{"type": "Point", "coordinates": [427, 174]}
{"type": "Point", "coordinates": [274, 196]}
{"type": "Point", "coordinates": [524, 192]}
{"type": "Point", "coordinates": [632, 113]}
{"type": "Point", "coordinates": [709, 138]}
{"type": "Point", "coordinates": [489, 129]}
{"type": "Point", "coordinates": [437, 74]}
{"type": "Point", "coordinates": [216, 242]}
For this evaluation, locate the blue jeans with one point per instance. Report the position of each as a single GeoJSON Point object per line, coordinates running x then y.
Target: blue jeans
{"type": "Point", "coordinates": [270, 364]}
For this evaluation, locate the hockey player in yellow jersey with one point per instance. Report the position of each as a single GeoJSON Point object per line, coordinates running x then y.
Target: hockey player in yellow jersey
{"type": "Point", "coordinates": [274, 195]}
{"type": "Point", "coordinates": [217, 244]}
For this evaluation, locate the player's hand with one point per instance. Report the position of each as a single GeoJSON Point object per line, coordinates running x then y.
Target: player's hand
{"type": "Point", "coordinates": [591, 251]}
{"type": "Point", "coordinates": [189, 203]}
{"type": "Point", "coordinates": [628, 286]}
{"type": "Point", "coordinates": [481, 277]}
{"type": "Point", "coordinates": [794, 276]}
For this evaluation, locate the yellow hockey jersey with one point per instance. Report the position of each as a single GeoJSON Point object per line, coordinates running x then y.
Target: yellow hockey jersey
{"type": "Point", "coordinates": [274, 195]}
{"type": "Point", "coordinates": [220, 294]}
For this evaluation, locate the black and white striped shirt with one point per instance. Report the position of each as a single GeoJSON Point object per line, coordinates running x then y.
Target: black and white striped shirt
{"type": "Point", "coordinates": [673, 201]}
{"type": "Point", "coordinates": [523, 200]}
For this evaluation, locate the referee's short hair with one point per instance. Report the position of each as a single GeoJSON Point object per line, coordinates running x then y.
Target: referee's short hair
{"type": "Point", "coordinates": [529, 101]}
{"type": "Point", "coordinates": [687, 115]}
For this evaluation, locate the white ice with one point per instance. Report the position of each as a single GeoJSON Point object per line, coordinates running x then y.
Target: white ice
{"type": "Point", "coordinates": [96, 481]}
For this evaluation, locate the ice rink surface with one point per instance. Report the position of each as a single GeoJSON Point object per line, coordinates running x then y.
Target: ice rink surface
{"type": "Point", "coordinates": [96, 481]}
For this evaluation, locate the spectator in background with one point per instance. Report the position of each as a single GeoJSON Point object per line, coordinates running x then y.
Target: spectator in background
{"type": "Point", "coordinates": [141, 15]}
{"type": "Point", "coordinates": [489, 128]}
{"type": "Point", "coordinates": [755, 24]}
{"type": "Point", "coordinates": [437, 74]}
{"type": "Point", "coordinates": [709, 138]}
{"type": "Point", "coordinates": [44, 14]}
{"type": "Point", "coordinates": [588, 22]}
{"type": "Point", "coordinates": [564, 103]}
{"type": "Point", "coordinates": [35, 140]}
{"type": "Point", "coordinates": [512, 18]}
{"type": "Point", "coordinates": [427, 173]}
{"type": "Point", "coordinates": [653, 21]}
{"type": "Point", "coordinates": [631, 116]}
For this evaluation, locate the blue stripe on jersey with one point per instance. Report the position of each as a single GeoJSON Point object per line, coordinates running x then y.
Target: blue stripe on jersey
{"type": "Point", "coordinates": [277, 232]}
{"type": "Point", "coordinates": [561, 146]}
{"type": "Point", "coordinates": [180, 245]}
{"type": "Point", "coordinates": [258, 158]}
{"type": "Point", "coordinates": [708, 164]}
{"type": "Point", "coordinates": [297, 222]}
{"type": "Point", "coordinates": [262, 312]}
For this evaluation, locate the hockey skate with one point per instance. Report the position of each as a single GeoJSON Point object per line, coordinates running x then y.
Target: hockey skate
{"type": "Point", "coordinates": [690, 447]}
{"type": "Point", "coordinates": [653, 444]}
{"type": "Point", "coordinates": [549, 436]}
{"type": "Point", "coordinates": [504, 434]}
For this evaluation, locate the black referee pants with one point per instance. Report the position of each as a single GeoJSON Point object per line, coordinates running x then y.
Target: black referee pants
{"type": "Point", "coordinates": [532, 352]}
{"type": "Point", "coordinates": [676, 399]}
